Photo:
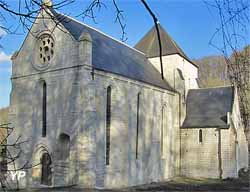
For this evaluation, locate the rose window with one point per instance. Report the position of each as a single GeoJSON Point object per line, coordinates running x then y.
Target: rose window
{"type": "Point", "coordinates": [46, 49]}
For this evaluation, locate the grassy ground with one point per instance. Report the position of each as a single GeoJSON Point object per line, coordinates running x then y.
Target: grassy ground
{"type": "Point", "coordinates": [178, 184]}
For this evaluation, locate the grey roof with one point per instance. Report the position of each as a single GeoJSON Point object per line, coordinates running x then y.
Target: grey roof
{"type": "Point", "coordinates": [150, 46]}
{"type": "Point", "coordinates": [208, 107]}
{"type": "Point", "coordinates": [113, 56]}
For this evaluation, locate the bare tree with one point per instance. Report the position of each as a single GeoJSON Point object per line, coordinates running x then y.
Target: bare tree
{"type": "Point", "coordinates": [10, 154]}
{"type": "Point", "coordinates": [27, 11]}
{"type": "Point", "coordinates": [234, 31]}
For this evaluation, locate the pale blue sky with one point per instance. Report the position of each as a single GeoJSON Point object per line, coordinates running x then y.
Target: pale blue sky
{"type": "Point", "coordinates": [189, 22]}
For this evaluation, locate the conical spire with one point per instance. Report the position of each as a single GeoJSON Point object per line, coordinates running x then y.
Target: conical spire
{"type": "Point", "coordinates": [47, 3]}
{"type": "Point", "coordinates": [150, 46]}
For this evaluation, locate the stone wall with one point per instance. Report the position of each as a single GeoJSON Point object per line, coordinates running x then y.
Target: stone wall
{"type": "Point", "coordinates": [180, 74]}
{"type": "Point", "coordinates": [171, 63]}
{"type": "Point", "coordinates": [78, 109]}
{"type": "Point", "coordinates": [199, 159]}
{"type": "Point", "coordinates": [124, 168]}
{"type": "Point", "coordinates": [202, 159]}
{"type": "Point", "coordinates": [241, 141]}
{"type": "Point", "coordinates": [64, 105]}
{"type": "Point", "coordinates": [228, 153]}
{"type": "Point", "coordinates": [76, 106]}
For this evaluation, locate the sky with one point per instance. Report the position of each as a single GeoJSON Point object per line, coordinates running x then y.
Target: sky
{"type": "Point", "coordinates": [189, 22]}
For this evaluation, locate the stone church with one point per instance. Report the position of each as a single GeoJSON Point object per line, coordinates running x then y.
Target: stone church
{"type": "Point", "coordinates": [95, 112]}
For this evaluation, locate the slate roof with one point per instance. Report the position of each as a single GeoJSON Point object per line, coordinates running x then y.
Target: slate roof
{"type": "Point", "coordinates": [113, 56]}
{"type": "Point", "coordinates": [207, 108]}
{"type": "Point", "coordinates": [150, 46]}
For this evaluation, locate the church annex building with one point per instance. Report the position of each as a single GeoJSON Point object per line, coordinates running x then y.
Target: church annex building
{"type": "Point", "coordinates": [96, 112]}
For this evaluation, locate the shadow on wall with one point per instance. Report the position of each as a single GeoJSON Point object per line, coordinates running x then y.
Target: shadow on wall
{"type": "Point", "coordinates": [70, 120]}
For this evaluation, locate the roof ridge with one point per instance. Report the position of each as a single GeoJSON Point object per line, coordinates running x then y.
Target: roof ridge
{"type": "Point", "coordinates": [99, 31]}
{"type": "Point", "coordinates": [216, 87]}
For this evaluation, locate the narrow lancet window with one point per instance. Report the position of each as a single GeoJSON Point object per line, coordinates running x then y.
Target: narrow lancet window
{"type": "Point", "coordinates": [44, 109]}
{"type": "Point", "coordinates": [162, 130]}
{"type": "Point", "coordinates": [137, 124]}
{"type": "Point", "coordinates": [108, 122]}
{"type": "Point", "coordinates": [200, 136]}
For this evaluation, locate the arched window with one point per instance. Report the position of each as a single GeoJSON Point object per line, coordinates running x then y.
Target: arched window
{"type": "Point", "coordinates": [162, 129]}
{"type": "Point", "coordinates": [137, 124]}
{"type": "Point", "coordinates": [200, 136]}
{"type": "Point", "coordinates": [108, 122]}
{"type": "Point", "coordinates": [44, 108]}
{"type": "Point", "coordinates": [64, 146]}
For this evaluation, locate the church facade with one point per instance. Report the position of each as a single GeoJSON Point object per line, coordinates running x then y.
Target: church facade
{"type": "Point", "coordinates": [95, 112]}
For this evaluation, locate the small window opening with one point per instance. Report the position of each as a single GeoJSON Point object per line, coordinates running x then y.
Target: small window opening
{"type": "Point", "coordinates": [200, 136]}
{"type": "Point", "coordinates": [46, 49]}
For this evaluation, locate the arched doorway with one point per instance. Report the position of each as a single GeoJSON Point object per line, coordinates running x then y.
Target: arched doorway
{"type": "Point", "coordinates": [46, 176]}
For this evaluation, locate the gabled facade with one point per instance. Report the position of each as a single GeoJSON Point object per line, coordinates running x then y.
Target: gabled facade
{"type": "Point", "coordinates": [95, 112]}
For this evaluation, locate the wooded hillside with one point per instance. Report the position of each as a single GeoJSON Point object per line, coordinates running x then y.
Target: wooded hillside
{"type": "Point", "coordinates": [212, 71]}
{"type": "Point", "coordinates": [4, 115]}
